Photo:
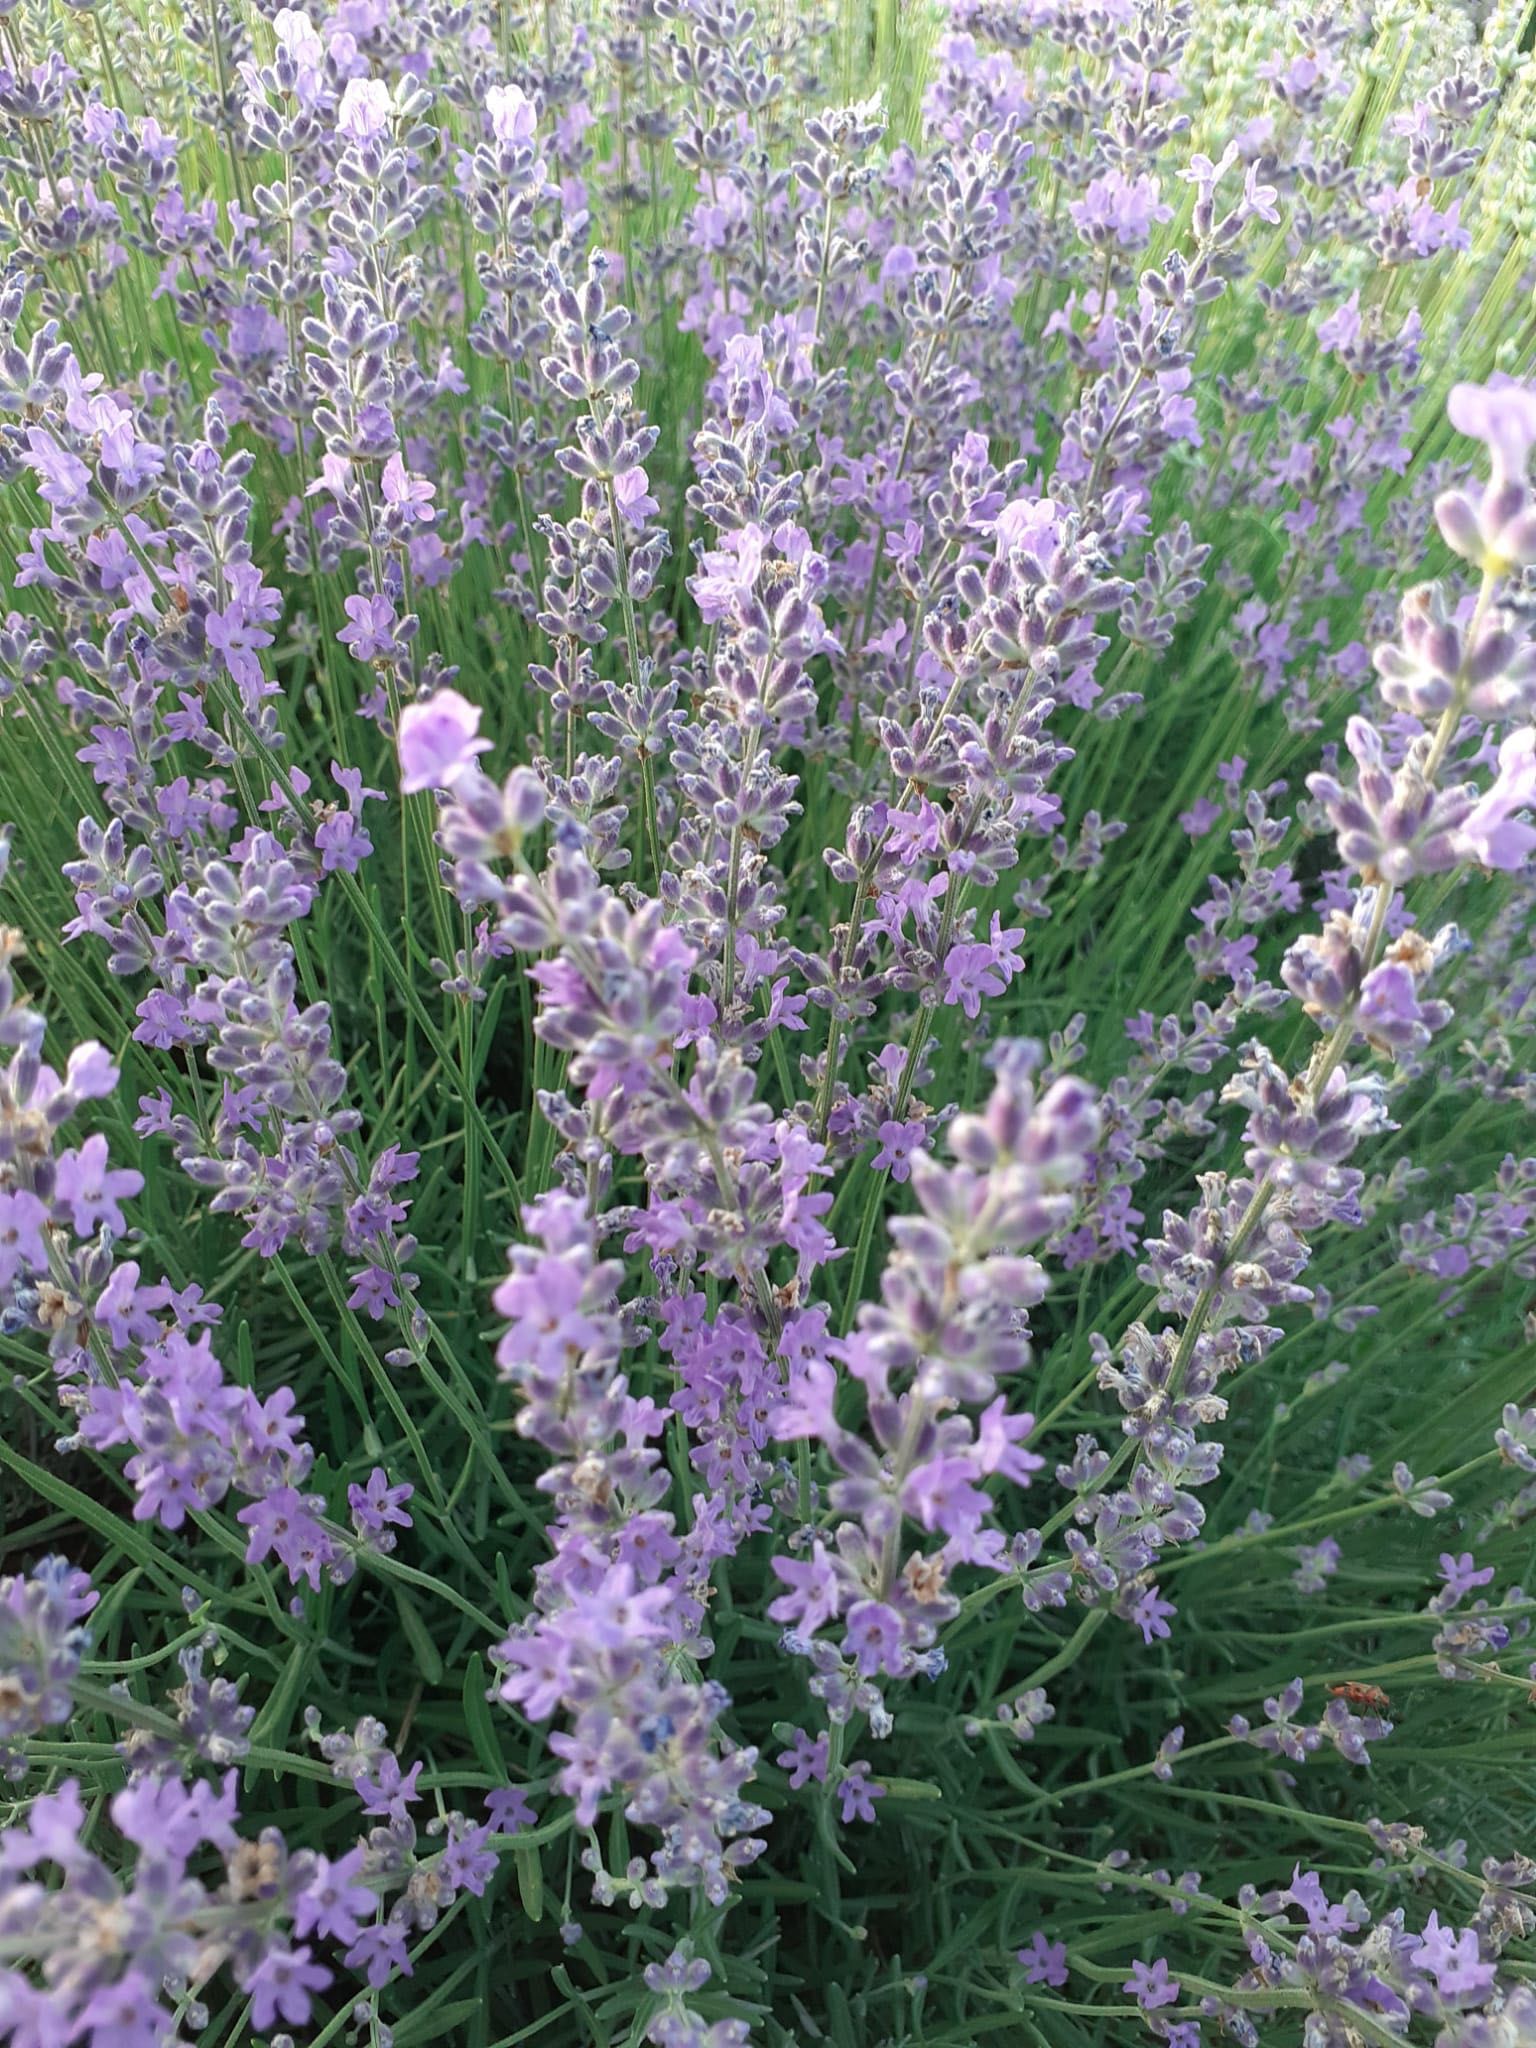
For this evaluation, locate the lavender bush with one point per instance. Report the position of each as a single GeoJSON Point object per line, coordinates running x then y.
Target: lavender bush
{"type": "Point", "coordinates": [767, 975]}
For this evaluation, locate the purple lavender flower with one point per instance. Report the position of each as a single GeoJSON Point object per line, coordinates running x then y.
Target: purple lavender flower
{"type": "Point", "coordinates": [508, 1810]}
{"type": "Point", "coordinates": [42, 1643]}
{"type": "Point", "coordinates": [378, 1509]}
{"type": "Point", "coordinates": [1043, 1961]}
{"type": "Point", "coordinates": [857, 1792]}
{"type": "Point", "coordinates": [1462, 1576]}
{"type": "Point", "coordinates": [1151, 1986]}
{"type": "Point", "coordinates": [1490, 833]}
{"type": "Point", "coordinates": [805, 1759]}
{"type": "Point", "coordinates": [1152, 1614]}
{"type": "Point", "coordinates": [1316, 1564]}
{"type": "Point", "coordinates": [363, 111]}
{"type": "Point", "coordinates": [438, 741]}
{"type": "Point", "coordinates": [91, 1190]}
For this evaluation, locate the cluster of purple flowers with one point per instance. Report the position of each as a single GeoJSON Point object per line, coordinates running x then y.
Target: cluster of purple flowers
{"type": "Point", "coordinates": [621, 1602]}
{"type": "Point", "coordinates": [134, 1360]}
{"type": "Point", "coordinates": [42, 1641]}
{"type": "Point", "coordinates": [632, 656]}
{"type": "Point", "coordinates": [126, 1937]}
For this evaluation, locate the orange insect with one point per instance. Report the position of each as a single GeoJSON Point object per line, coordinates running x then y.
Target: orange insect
{"type": "Point", "coordinates": [1360, 1695]}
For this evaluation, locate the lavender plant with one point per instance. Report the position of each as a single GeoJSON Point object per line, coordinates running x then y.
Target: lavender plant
{"type": "Point", "coordinates": [766, 926]}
